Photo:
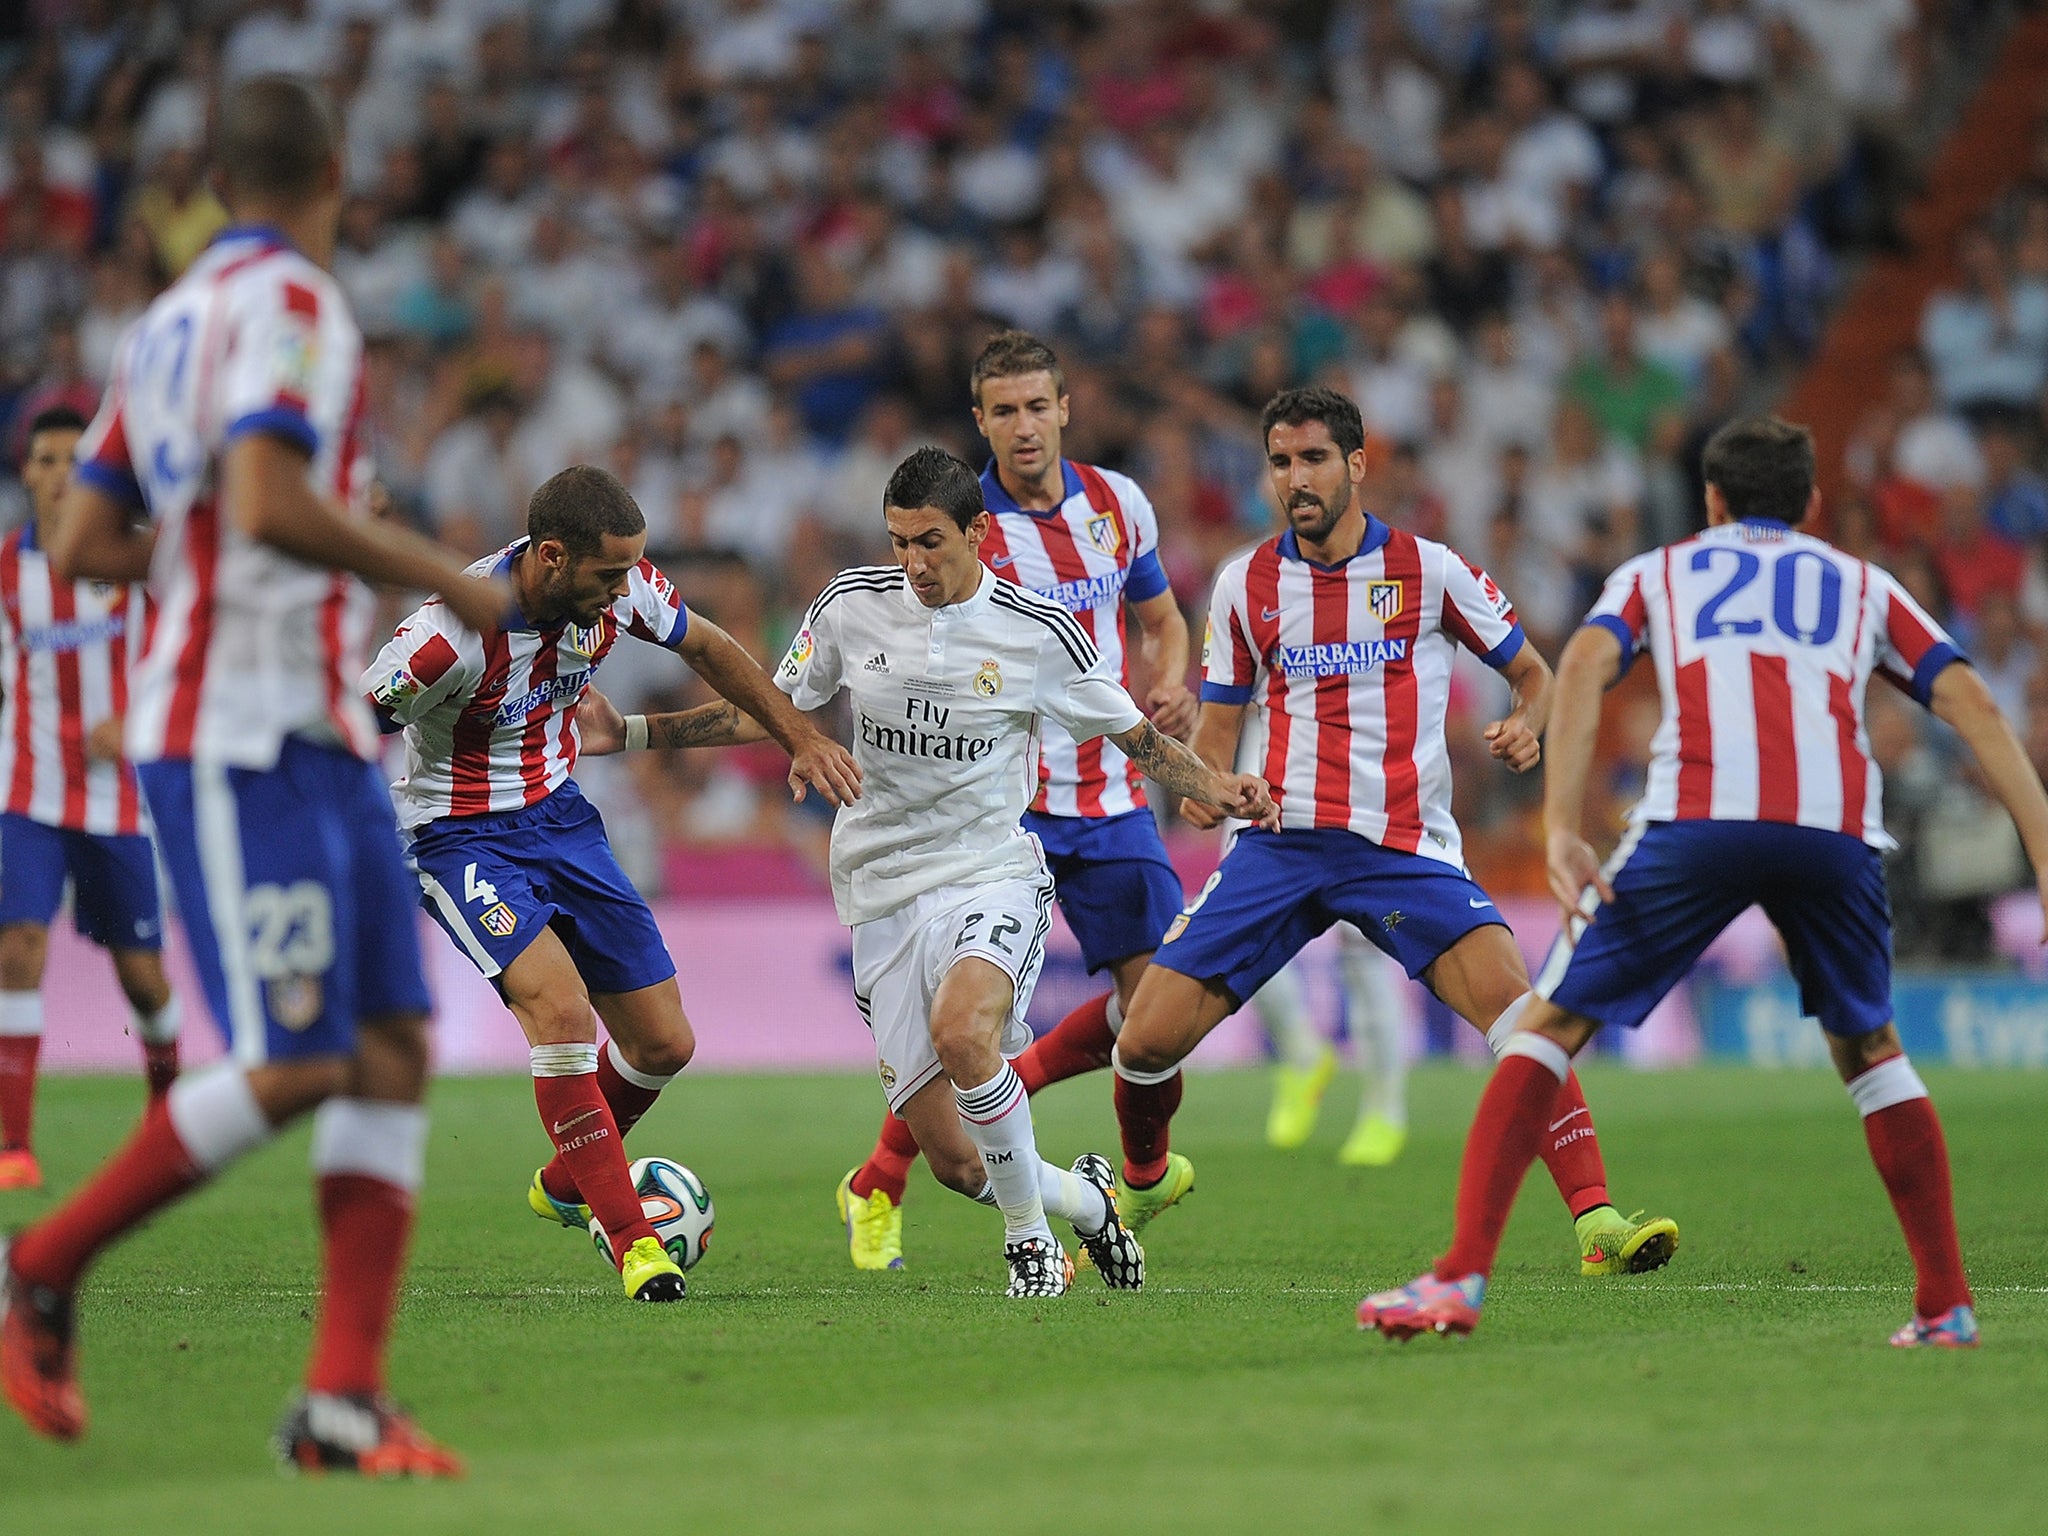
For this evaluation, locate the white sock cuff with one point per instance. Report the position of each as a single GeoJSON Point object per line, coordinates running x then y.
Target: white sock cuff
{"type": "Point", "coordinates": [373, 1138]}
{"type": "Point", "coordinates": [632, 1074]}
{"type": "Point", "coordinates": [1143, 1079]}
{"type": "Point", "coordinates": [1541, 1049]}
{"type": "Point", "coordinates": [987, 1195]}
{"type": "Point", "coordinates": [216, 1116]}
{"type": "Point", "coordinates": [993, 1099]}
{"type": "Point", "coordinates": [573, 1060]}
{"type": "Point", "coordinates": [1115, 1013]}
{"type": "Point", "coordinates": [161, 1027]}
{"type": "Point", "coordinates": [21, 1013]}
{"type": "Point", "coordinates": [1891, 1081]}
{"type": "Point", "coordinates": [1503, 1028]}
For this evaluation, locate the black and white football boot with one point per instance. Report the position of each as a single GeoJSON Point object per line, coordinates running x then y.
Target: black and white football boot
{"type": "Point", "coordinates": [1114, 1251]}
{"type": "Point", "coordinates": [1039, 1266]}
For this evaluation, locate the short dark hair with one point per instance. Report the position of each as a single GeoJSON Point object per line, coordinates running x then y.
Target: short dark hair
{"type": "Point", "coordinates": [1763, 467]}
{"type": "Point", "coordinates": [55, 418]}
{"type": "Point", "coordinates": [1011, 353]}
{"type": "Point", "coordinates": [1298, 407]}
{"type": "Point", "coordinates": [582, 506]}
{"type": "Point", "coordinates": [932, 477]}
{"type": "Point", "coordinates": [276, 138]}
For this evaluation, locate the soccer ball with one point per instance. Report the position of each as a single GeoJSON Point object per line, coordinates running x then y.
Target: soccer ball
{"type": "Point", "coordinates": [676, 1203]}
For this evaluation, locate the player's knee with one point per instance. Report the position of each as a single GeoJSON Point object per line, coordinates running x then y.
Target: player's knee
{"type": "Point", "coordinates": [1143, 1055]}
{"type": "Point", "coordinates": [559, 1018]}
{"type": "Point", "coordinates": [966, 1045]}
{"type": "Point", "coordinates": [665, 1053]}
{"type": "Point", "coordinates": [23, 948]}
{"type": "Point", "coordinates": [392, 1056]}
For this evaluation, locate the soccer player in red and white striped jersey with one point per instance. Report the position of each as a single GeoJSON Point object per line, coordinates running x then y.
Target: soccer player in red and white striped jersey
{"type": "Point", "coordinates": [513, 862]}
{"type": "Point", "coordinates": [1344, 629]}
{"type": "Point", "coordinates": [1761, 791]}
{"type": "Point", "coordinates": [72, 812]}
{"type": "Point", "coordinates": [1087, 539]}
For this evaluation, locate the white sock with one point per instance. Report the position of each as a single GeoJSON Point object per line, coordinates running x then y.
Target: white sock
{"type": "Point", "coordinates": [1891, 1081]}
{"type": "Point", "coordinates": [997, 1116]}
{"type": "Point", "coordinates": [571, 1060]}
{"type": "Point", "coordinates": [1070, 1197]}
{"type": "Point", "coordinates": [216, 1116]}
{"type": "Point", "coordinates": [372, 1138]}
{"type": "Point", "coordinates": [1502, 1028]}
{"type": "Point", "coordinates": [1372, 1008]}
{"type": "Point", "coordinates": [633, 1074]}
{"type": "Point", "coordinates": [21, 1014]}
{"type": "Point", "coordinates": [1540, 1048]}
{"type": "Point", "coordinates": [1114, 1014]}
{"type": "Point", "coordinates": [1283, 1012]}
{"type": "Point", "coordinates": [161, 1027]}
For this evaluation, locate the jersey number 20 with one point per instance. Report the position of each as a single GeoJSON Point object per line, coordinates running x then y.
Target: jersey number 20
{"type": "Point", "coordinates": [1784, 596]}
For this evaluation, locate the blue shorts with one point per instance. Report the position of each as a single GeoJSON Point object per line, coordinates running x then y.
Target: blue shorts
{"type": "Point", "coordinates": [1113, 881]}
{"type": "Point", "coordinates": [1677, 884]}
{"type": "Point", "coordinates": [113, 882]}
{"type": "Point", "coordinates": [294, 895]}
{"type": "Point", "coordinates": [1274, 891]}
{"type": "Point", "coordinates": [494, 882]}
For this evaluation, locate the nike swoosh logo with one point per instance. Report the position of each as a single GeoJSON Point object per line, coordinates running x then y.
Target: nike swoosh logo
{"type": "Point", "coordinates": [1568, 1119]}
{"type": "Point", "coordinates": [562, 1127]}
{"type": "Point", "coordinates": [1470, 903]}
{"type": "Point", "coordinates": [1269, 614]}
{"type": "Point", "coordinates": [1001, 562]}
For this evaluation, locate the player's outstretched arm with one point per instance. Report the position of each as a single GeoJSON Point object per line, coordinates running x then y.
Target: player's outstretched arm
{"type": "Point", "coordinates": [1960, 700]}
{"type": "Point", "coordinates": [94, 537]}
{"type": "Point", "coordinates": [1517, 738]}
{"type": "Point", "coordinates": [1169, 764]}
{"type": "Point", "coordinates": [265, 490]}
{"type": "Point", "coordinates": [1591, 662]}
{"type": "Point", "coordinates": [1163, 642]}
{"type": "Point", "coordinates": [1215, 742]}
{"type": "Point", "coordinates": [815, 759]}
{"type": "Point", "coordinates": [603, 730]}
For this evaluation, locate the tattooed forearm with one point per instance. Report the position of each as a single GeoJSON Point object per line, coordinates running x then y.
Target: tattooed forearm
{"type": "Point", "coordinates": [719, 724]}
{"type": "Point", "coordinates": [1169, 764]}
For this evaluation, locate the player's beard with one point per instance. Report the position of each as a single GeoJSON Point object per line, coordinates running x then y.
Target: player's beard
{"type": "Point", "coordinates": [1323, 527]}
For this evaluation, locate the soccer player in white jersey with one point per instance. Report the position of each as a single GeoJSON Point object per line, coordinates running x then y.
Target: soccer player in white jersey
{"type": "Point", "coordinates": [233, 428]}
{"type": "Point", "coordinates": [1345, 629]}
{"type": "Point", "coordinates": [952, 673]}
{"type": "Point", "coordinates": [1762, 789]}
{"type": "Point", "coordinates": [72, 812]}
{"type": "Point", "coordinates": [1087, 539]}
{"type": "Point", "coordinates": [514, 863]}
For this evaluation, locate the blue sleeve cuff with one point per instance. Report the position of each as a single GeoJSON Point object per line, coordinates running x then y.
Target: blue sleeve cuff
{"type": "Point", "coordinates": [1930, 668]}
{"type": "Point", "coordinates": [109, 481]}
{"type": "Point", "coordinates": [1147, 579]}
{"type": "Point", "coordinates": [675, 636]}
{"type": "Point", "coordinates": [1622, 633]}
{"type": "Point", "coordinates": [1509, 648]}
{"type": "Point", "coordinates": [387, 723]}
{"type": "Point", "coordinates": [1226, 693]}
{"type": "Point", "coordinates": [278, 421]}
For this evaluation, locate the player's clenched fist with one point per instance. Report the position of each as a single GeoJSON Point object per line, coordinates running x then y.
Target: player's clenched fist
{"type": "Point", "coordinates": [1513, 742]}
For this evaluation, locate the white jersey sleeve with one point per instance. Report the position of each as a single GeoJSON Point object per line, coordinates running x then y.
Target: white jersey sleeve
{"type": "Point", "coordinates": [1230, 663]}
{"type": "Point", "coordinates": [272, 371]}
{"type": "Point", "coordinates": [812, 672]}
{"type": "Point", "coordinates": [432, 659]}
{"type": "Point", "coordinates": [651, 610]}
{"type": "Point", "coordinates": [1076, 687]}
{"type": "Point", "coordinates": [1912, 648]}
{"type": "Point", "coordinates": [1623, 609]}
{"type": "Point", "coordinates": [1477, 614]}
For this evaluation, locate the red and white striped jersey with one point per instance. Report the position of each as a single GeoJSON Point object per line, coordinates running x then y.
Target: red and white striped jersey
{"type": "Point", "coordinates": [66, 649]}
{"type": "Point", "coordinates": [490, 725]}
{"type": "Point", "coordinates": [1097, 548]}
{"type": "Point", "coordinates": [249, 645]}
{"type": "Point", "coordinates": [1352, 664]}
{"type": "Point", "coordinates": [1764, 641]}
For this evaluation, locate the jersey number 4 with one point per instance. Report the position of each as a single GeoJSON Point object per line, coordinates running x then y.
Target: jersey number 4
{"type": "Point", "coordinates": [1784, 596]}
{"type": "Point", "coordinates": [474, 889]}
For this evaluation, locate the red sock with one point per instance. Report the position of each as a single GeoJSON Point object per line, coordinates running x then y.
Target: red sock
{"type": "Point", "coordinates": [888, 1166]}
{"type": "Point", "coordinates": [365, 1224]}
{"type": "Point", "coordinates": [1571, 1151]}
{"type": "Point", "coordinates": [160, 1066]}
{"type": "Point", "coordinates": [18, 1055]}
{"type": "Point", "coordinates": [146, 1174]}
{"type": "Point", "coordinates": [1519, 1103]}
{"type": "Point", "coordinates": [628, 1102]}
{"type": "Point", "coordinates": [587, 1144]}
{"type": "Point", "coordinates": [1912, 1158]}
{"type": "Point", "coordinates": [1143, 1113]}
{"type": "Point", "coordinates": [1081, 1042]}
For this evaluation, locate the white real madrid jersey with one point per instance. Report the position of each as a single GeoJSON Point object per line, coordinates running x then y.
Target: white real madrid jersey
{"type": "Point", "coordinates": [946, 710]}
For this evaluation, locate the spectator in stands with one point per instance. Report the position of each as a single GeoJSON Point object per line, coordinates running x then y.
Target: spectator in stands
{"type": "Point", "coordinates": [1629, 397]}
{"type": "Point", "coordinates": [1988, 340]}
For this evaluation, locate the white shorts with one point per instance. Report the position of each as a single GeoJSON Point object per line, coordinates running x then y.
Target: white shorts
{"type": "Point", "coordinates": [899, 961]}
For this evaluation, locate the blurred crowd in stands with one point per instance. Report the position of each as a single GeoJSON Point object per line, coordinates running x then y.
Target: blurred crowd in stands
{"type": "Point", "coordinates": [742, 252]}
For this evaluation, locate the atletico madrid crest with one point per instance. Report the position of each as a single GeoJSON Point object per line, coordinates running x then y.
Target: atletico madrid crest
{"type": "Point", "coordinates": [1103, 535]}
{"type": "Point", "coordinates": [1384, 598]}
{"type": "Point", "coordinates": [499, 921]}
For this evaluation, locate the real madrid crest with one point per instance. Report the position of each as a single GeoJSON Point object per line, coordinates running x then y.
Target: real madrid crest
{"type": "Point", "coordinates": [988, 679]}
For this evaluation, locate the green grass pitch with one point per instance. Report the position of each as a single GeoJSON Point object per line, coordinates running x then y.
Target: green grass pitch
{"type": "Point", "coordinates": [1746, 1388]}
